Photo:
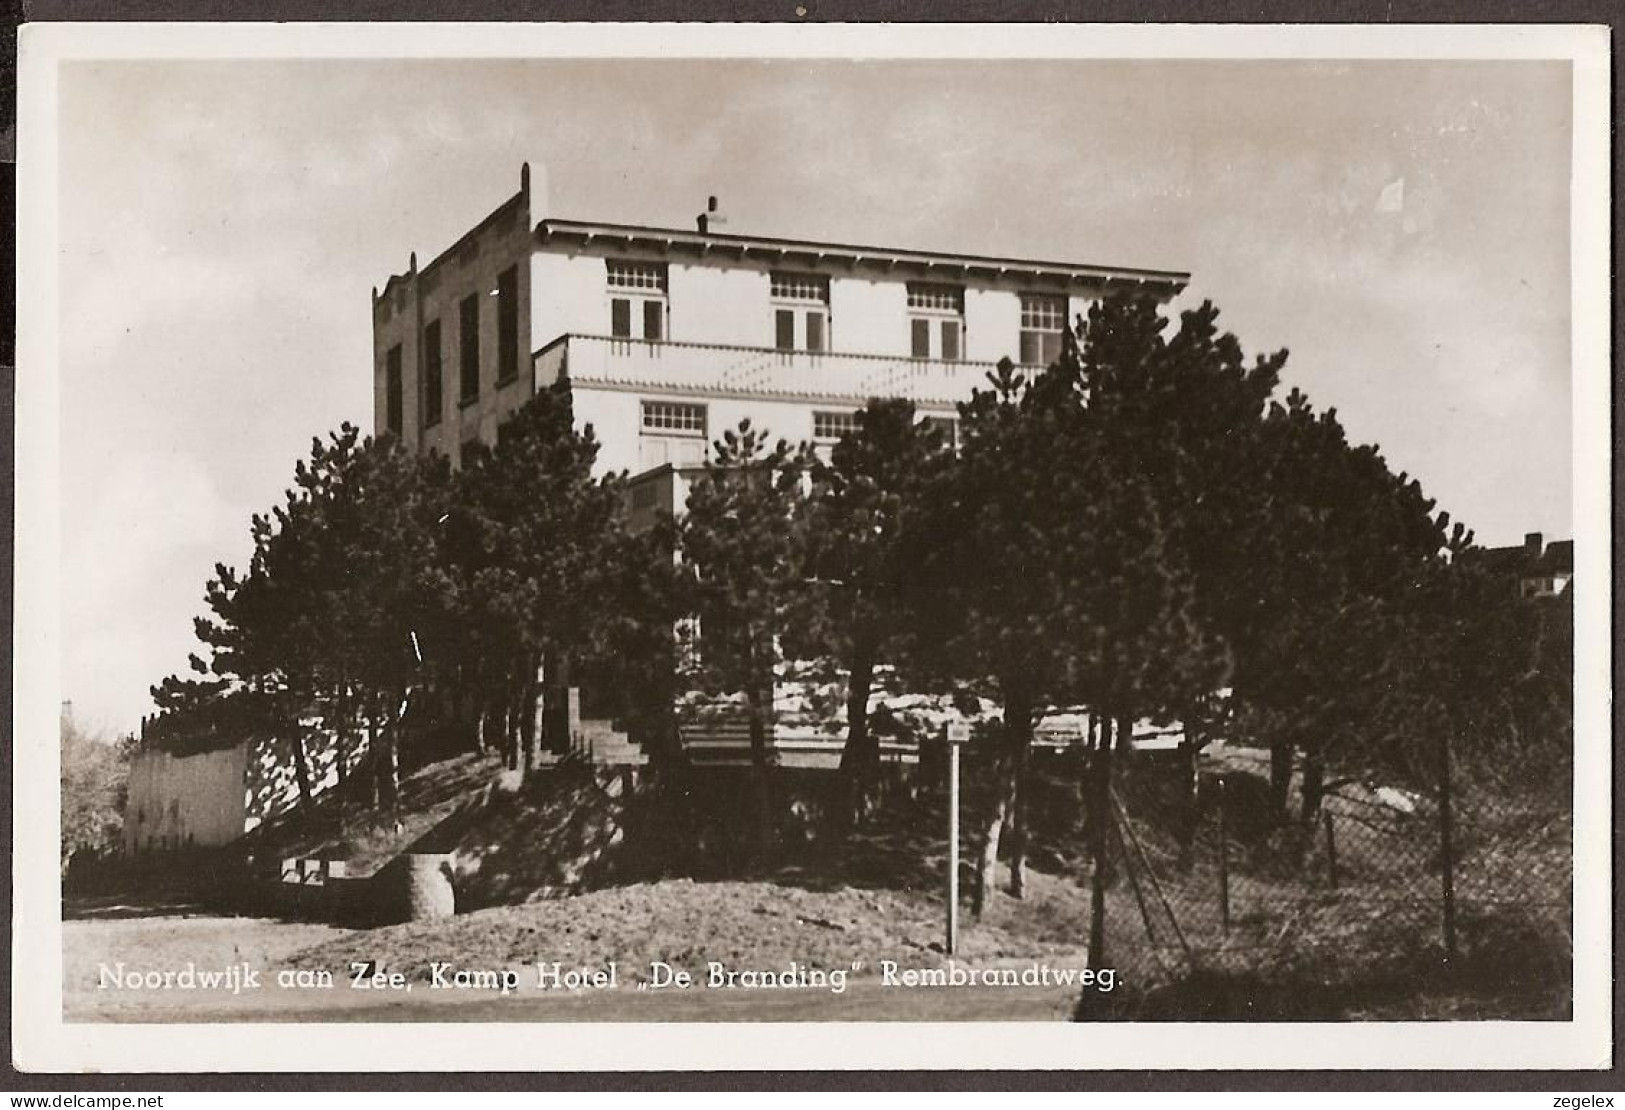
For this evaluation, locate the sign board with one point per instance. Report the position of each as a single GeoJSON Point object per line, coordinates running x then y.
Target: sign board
{"type": "Point", "coordinates": [957, 732]}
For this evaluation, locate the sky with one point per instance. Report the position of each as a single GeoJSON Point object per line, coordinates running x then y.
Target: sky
{"type": "Point", "coordinates": [1402, 228]}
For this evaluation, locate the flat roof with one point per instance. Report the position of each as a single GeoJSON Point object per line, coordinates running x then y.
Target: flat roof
{"type": "Point", "coordinates": [772, 250]}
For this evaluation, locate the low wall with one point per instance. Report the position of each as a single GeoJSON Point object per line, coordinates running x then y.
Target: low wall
{"type": "Point", "coordinates": [185, 801]}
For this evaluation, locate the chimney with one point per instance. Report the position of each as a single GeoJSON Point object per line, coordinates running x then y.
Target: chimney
{"type": "Point", "coordinates": [711, 218]}
{"type": "Point", "coordinates": [1532, 544]}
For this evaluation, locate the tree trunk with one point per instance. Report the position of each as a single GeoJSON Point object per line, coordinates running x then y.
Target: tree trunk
{"type": "Point", "coordinates": [386, 763]}
{"type": "Point", "coordinates": [988, 859]}
{"type": "Point", "coordinates": [860, 756]}
{"type": "Point", "coordinates": [555, 686]}
{"type": "Point", "coordinates": [1101, 812]}
{"type": "Point", "coordinates": [1280, 778]}
{"type": "Point", "coordinates": [373, 746]}
{"type": "Point", "coordinates": [1018, 727]}
{"type": "Point", "coordinates": [761, 773]}
{"type": "Point", "coordinates": [666, 749]}
{"type": "Point", "coordinates": [1187, 803]}
{"type": "Point", "coordinates": [530, 704]}
{"type": "Point", "coordinates": [510, 726]}
{"type": "Point", "coordinates": [1314, 785]}
{"type": "Point", "coordinates": [301, 767]}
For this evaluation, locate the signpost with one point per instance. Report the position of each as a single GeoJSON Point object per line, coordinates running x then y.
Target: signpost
{"type": "Point", "coordinates": [956, 734]}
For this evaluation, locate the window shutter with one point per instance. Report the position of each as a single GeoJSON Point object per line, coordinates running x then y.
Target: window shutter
{"type": "Point", "coordinates": [434, 396]}
{"type": "Point", "coordinates": [393, 417]}
{"type": "Point", "coordinates": [468, 369]}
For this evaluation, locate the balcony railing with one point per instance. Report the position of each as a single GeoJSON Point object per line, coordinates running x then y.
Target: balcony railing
{"type": "Point", "coordinates": [757, 371]}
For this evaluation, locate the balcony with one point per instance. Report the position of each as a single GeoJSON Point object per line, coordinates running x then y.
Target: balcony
{"type": "Point", "coordinates": [710, 369]}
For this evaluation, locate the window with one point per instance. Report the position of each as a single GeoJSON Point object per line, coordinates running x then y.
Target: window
{"type": "Point", "coordinates": [508, 325]}
{"type": "Point", "coordinates": [392, 390]}
{"type": "Point", "coordinates": [637, 276]}
{"type": "Point", "coordinates": [434, 375]}
{"type": "Point", "coordinates": [929, 297]}
{"type": "Point", "coordinates": [673, 433]}
{"type": "Point", "coordinates": [936, 320]}
{"type": "Point", "coordinates": [1043, 318]}
{"type": "Point", "coordinates": [673, 418]}
{"type": "Point", "coordinates": [801, 312]}
{"type": "Point", "coordinates": [636, 288]}
{"type": "Point", "coordinates": [800, 287]}
{"type": "Point", "coordinates": [468, 358]}
{"type": "Point", "coordinates": [833, 425]}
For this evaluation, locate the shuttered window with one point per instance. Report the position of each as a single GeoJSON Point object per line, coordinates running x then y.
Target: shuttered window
{"type": "Point", "coordinates": [468, 357]}
{"type": "Point", "coordinates": [434, 375]}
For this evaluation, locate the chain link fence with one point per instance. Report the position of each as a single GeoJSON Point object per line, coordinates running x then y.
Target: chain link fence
{"type": "Point", "coordinates": [1442, 899]}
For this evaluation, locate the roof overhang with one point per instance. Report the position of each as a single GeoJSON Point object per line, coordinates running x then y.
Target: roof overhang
{"type": "Point", "coordinates": [602, 238]}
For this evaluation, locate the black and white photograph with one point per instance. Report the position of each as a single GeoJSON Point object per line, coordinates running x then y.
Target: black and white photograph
{"type": "Point", "coordinates": [1021, 534]}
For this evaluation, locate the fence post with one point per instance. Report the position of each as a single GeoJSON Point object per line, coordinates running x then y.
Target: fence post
{"type": "Point", "coordinates": [1447, 863]}
{"type": "Point", "coordinates": [1224, 863]}
{"type": "Point", "coordinates": [1101, 771]}
{"type": "Point", "coordinates": [1331, 846]}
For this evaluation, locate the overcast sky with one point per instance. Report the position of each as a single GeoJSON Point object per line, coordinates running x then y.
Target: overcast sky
{"type": "Point", "coordinates": [1401, 227]}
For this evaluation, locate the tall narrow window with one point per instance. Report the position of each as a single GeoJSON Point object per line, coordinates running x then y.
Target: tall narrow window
{"type": "Point", "coordinates": [393, 417]}
{"type": "Point", "coordinates": [815, 331]}
{"type": "Point", "coordinates": [468, 357]}
{"type": "Point", "coordinates": [508, 325]}
{"type": "Point", "coordinates": [637, 291]}
{"type": "Point", "coordinates": [920, 338]}
{"type": "Point", "coordinates": [936, 319]}
{"type": "Point", "coordinates": [800, 311]}
{"type": "Point", "coordinates": [1043, 317]}
{"type": "Point", "coordinates": [434, 375]}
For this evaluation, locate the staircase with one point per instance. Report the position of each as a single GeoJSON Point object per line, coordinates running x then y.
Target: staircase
{"type": "Point", "coordinates": [600, 743]}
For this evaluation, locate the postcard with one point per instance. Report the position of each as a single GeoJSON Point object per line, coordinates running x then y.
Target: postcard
{"type": "Point", "coordinates": [646, 547]}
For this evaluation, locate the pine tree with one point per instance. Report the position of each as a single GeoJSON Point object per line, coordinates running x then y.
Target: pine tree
{"type": "Point", "coordinates": [537, 529]}
{"type": "Point", "coordinates": [864, 500]}
{"type": "Point", "coordinates": [745, 559]}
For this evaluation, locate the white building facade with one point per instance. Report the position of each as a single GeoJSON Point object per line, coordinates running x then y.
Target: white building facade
{"type": "Point", "coordinates": [670, 337]}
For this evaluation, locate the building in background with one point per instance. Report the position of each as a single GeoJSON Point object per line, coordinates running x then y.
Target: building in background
{"type": "Point", "coordinates": [669, 337]}
{"type": "Point", "coordinates": [1540, 569]}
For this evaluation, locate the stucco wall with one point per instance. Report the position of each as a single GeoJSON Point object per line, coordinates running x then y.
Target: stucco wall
{"type": "Point", "coordinates": [435, 292]}
{"type": "Point", "coordinates": [186, 801]}
{"type": "Point", "coordinates": [730, 304]}
{"type": "Point", "coordinates": [616, 417]}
